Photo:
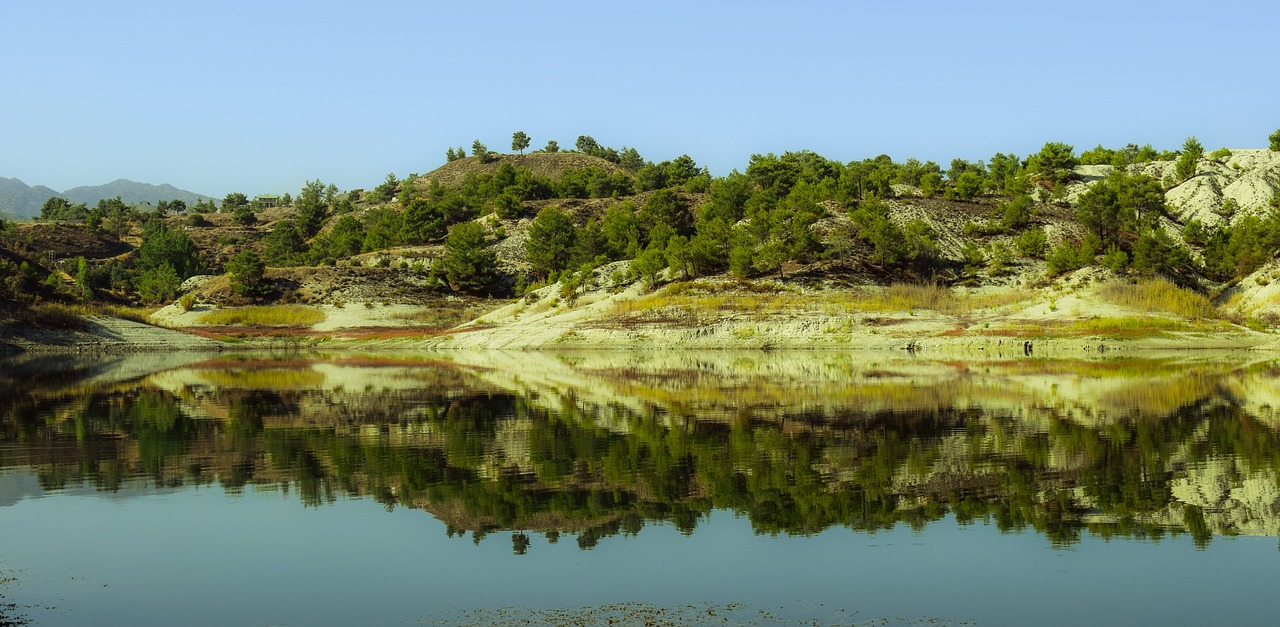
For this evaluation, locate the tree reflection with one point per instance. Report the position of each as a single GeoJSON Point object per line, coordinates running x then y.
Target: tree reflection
{"type": "Point", "coordinates": [484, 460]}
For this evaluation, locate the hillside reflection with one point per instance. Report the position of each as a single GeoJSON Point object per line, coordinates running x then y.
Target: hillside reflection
{"type": "Point", "coordinates": [600, 445]}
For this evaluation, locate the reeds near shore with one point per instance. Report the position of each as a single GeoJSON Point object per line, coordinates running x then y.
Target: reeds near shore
{"type": "Point", "coordinates": [293, 316]}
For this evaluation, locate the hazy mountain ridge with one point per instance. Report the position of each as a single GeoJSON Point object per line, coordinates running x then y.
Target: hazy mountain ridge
{"type": "Point", "coordinates": [21, 200]}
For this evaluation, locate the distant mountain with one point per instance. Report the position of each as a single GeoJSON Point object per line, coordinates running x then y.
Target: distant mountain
{"type": "Point", "coordinates": [18, 199]}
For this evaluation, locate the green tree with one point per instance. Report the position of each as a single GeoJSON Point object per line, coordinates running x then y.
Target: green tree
{"type": "Point", "coordinates": [480, 150]}
{"type": "Point", "coordinates": [1120, 203]}
{"type": "Point", "coordinates": [58, 208]}
{"type": "Point", "coordinates": [551, 240]}
{"type": "Point", "coordinates": [282, 244]}
{"type": "Point", "coordinates": [876, 228]}
{"type": "Point", "coordinates": [204, 205]}
{"type": "Point", "coordinates": [1274, 138]}
{"type": "Point", "coordinates": [679, 255]}
{"type": "Point", "coordinates": [667, 207]}
{"type": "Point", "coordinates": [244, 215]}
{"type": "Point", "coordinates": [968, 184]}
{"type": "Point", "coordinates": [387, 189]}
{"type": "Point", "coordinates": [84, 278]}
{"type": "Point", "coordinates": [468, 264]}
{"type": "Point", "coordinates": [623, 232]}
{"type": "Point", "coordinates": [158, 284]}
{"type": "Point", "coordinates": [312, 209]}
{"type": "Point", "coordinates": [1185, 168]}
{"type": "Point", "coordinates": [1032, 243]}
{"type": "Point", "coordinates": [1054, 162]}
{"type": "Point", "coordinates": [552, 146]}
{"type": "Point", "coordinates": [116, 215]}
{"type": "Point", "coordinates": [587, 145]}
{"type": "Point", "coordinates": [168, 207]}
{"type": "Point", "coordinates": [648, 264]}
{"type": "Point", "coordinates": [164, 246]}
{"type": "Point", "coordinates": [1016, 213]}
{"type": "Point", "coordinates": [233, 200]}
{"type": "Point", "coordinates": [248, 274]}
{"type": "Point", "coordinates": [382, 228]}
{"type": "Point", "coordinates": [346, 238]}
{"type": "Point", "coordinates": [709, 249]}
{"type": "Point", "coordinates": [519, 141]}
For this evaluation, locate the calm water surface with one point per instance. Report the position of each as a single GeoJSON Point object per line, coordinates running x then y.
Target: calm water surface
{"type": "Point", "coordinates": [727, 488]}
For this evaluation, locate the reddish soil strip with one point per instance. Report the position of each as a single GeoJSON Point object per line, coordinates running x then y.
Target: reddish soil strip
{"type": "Point", "coordinates": [356, 333]}
{"type": "Point", "coordinates": [359, 361]}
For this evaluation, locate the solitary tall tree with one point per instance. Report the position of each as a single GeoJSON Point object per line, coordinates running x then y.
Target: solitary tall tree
{"type": "Point", "coordinates": [519, 141]}
{"type": "Point", "coordinates": [1191, 153]}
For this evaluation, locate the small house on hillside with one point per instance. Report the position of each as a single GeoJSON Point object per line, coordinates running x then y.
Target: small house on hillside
{"type": "Point", "coordinates": [267, 200]}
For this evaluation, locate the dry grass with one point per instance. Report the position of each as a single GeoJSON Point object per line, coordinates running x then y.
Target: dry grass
{"type": "Point", "coordinates": [694, 298]}
{"type": "Point", "coordinates": [267, 378]}
{"type": "Point", "coordinates": [293, 316]}
{"type": "Point", "coordinates": [1119, 328]}
{"type": "Point", "coordinates": [59, 316]}
{"type": "Point", "coordinates": [1158, 296]}
{"type": "Point", "coordinates": [142, 315]}
{"type": "Point", "coordinates": [444, 317]}
{"type": "Point", "coordinates": [74, 316]}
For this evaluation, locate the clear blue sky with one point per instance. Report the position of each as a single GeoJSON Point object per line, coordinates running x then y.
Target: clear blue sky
{"type": "Point", "coordinates": [261, 96]}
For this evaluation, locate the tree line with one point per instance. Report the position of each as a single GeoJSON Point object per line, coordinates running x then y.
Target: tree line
{"type": "Point", "coordinates": [673, 215]}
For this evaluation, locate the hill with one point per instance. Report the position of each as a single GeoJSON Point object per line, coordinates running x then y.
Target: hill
{"type": "Point", "coordinates": [131, 192]}
{"type": "Point", "coordinates": [798, 251]}
{"type": "Point", "coordinates": [20, 200]}
{"type": "Point", "coordinates": [23, 201]}
{"type": "Point", "coordinates": [544, 164]}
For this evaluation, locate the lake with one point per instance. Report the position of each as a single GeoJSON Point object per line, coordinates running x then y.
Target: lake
{"type": "Point", "coordinates": [823, 488]}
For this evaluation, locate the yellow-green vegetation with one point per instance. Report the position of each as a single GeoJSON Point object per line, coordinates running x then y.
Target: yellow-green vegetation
{"type": "Point", "coordinates": [441, 316]}
{"type": "Point", "coordinates": [1117, 368]}
{"type": "Point", "coordinates": [1158, 296]}
{"type": "Point", "coordinates": [59, 316]}
{"type": "Point", "coordinates": [1118, 328]}
{"type": "Point", "coordinates": [72, 316]}
{"type": "Point", "coordinates": [771, 297]}
{"type": "Point", "coordinates": [264, 378]}
{"type": "Point", "coordinates": [909, 297]}
{"type": "Point", "coordinates": [135, 314]}
{"type": "Point", "coordinates": [296, 316]}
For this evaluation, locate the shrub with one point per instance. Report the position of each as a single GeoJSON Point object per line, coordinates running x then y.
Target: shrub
{"type": "Point", "coordinates": [268, 316]}
{"type": "Point", "coordinates": [1158, 295]}
{"type": "Point", "coordinates": [1032, 243]}
{"type": "Point", "coordinates": [187, 301]}
{"type": "Point", "coordinates": [248, 274]}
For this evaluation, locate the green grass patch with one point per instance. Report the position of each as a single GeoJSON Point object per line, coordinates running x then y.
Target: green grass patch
{"type": "Point", "coordinates": [293, 316]}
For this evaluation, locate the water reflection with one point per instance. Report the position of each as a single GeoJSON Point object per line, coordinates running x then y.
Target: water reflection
{"type": "Point", "coordinates": [597, 445]}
